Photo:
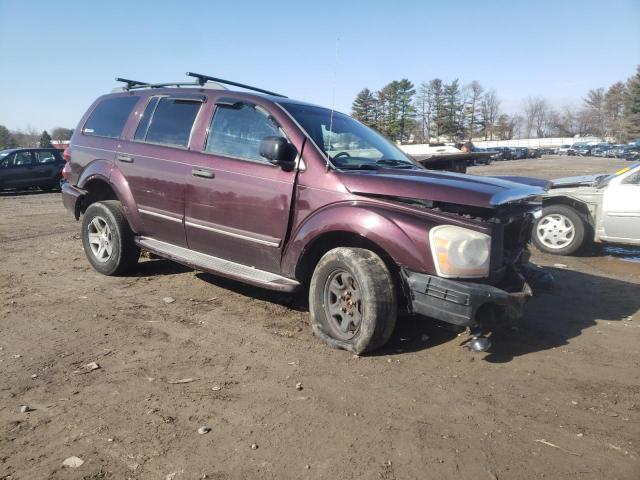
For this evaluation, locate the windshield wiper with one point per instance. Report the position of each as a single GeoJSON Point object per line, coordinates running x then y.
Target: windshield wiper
{"type": "Point", "coordinates": [362, 166]}
{"type": "Point", "coordinates": [392, 162]}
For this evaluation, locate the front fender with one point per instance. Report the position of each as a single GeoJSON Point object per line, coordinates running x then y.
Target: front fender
{"type": "Point", "coordinates": [402, 236]}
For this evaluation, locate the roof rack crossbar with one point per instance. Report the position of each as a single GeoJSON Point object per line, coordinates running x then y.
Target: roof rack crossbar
{"type": "Point", "coordinates": [166, 84]}
{"type": "Point", "coordinates": [131, 83]}
{"type": "Point", "coordinates": [202, 79]}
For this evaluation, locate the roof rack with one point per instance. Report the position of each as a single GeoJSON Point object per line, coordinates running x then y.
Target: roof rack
{"type": "Point", "coordinates": [202, 79]}
{"type": "Point", "coordinates": [130, 83]}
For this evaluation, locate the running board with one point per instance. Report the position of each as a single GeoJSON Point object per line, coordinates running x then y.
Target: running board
{"type": "Point", "coordinates": [218, 266]}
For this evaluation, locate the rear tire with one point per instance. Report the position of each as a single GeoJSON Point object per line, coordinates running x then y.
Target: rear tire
{"type": "Point", "coordinates": [352, 300]}
{"type": "Point", "coordinates": [107, 238]}
{"type": "Point", "coordinates": [560, 230]}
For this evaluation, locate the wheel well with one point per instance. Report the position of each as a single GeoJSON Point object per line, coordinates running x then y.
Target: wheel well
{"type": "Point", "coordinates": [579, 207]}
{"type": "Point", "coordinates": [328, 241]}
{"type": "Point", "coordinates": [97, 191]}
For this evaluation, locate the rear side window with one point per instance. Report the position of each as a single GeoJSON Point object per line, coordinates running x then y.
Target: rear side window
{"type": "Point", "coordinates": [46, 157]}
{"type": "Point", "coordinates": [168, 121]}
{"type": "Point", "coordinates": [109, 117]}
{"type": "Point", "coordinates": [237, 132]}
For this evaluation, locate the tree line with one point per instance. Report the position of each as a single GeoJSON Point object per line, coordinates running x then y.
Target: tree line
{"type": "Point", "coordinates": [439, 111]}
{"type": "Point", "coordinates": [30, 137]}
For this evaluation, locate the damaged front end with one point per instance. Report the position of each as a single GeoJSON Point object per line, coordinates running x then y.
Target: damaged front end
{"type": "Point", "coordinates": [476, 303]}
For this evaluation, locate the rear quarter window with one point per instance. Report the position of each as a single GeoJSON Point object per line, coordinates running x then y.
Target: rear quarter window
{"type": "Point", "coordinates": [109, 117]}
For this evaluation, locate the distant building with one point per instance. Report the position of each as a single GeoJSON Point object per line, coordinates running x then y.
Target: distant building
{"type": "Point", "coordinates": [60, 144]}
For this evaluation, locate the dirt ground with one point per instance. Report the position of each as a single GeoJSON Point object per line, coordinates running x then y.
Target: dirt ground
{"type": "Point", "coordinates": [557, 397]}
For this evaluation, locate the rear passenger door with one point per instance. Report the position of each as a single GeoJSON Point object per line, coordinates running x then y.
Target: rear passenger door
{"type": "Point", "coordinates": [155, 163]}
{"type": "Point", "coordinates": [47, 166]}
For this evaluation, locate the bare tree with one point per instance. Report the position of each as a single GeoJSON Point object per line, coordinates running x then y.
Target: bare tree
{"type": "Point", "coordinates": [595, 111]}
{"type": "Point", "coordinates": [424, 111]}
{"type": "Point", "coordinates": [542, 117]}
{"type": "Point", "coordinates": [489, 111]}
{"type": "Point", "coordinates": [531, 107]}
{"type": "Point", "coordinates": [474, 97]}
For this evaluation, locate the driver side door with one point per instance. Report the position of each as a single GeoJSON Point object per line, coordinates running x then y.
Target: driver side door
{"type": "Point", "coordinates": [17, 170]}
{"type": "Point", "coordinates": [237, 203]}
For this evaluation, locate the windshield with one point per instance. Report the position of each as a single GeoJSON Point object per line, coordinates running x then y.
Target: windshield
{"type": "Point", "coordinates": [603, 180]}
{"type": "Point", "coordinates": [349, 144]}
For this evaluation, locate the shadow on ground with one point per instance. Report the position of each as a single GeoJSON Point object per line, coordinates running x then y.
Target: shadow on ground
{"type": "Point", "coordinates": [24, 193]}
{"type": "Point", "coordinates": [550, 319]}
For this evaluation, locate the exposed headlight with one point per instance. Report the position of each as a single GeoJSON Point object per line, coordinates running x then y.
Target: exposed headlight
{"type": "Point", "coordinates": [459, 252]}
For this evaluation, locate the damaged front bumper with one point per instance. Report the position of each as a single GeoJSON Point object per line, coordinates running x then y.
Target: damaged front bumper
{"type": "Point", "coordinates": [459, 302]}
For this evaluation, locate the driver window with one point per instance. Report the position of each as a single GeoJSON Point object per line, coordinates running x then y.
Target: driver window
{"type": "Point", "coordinates": [22, 158]}
{"type": "Point", "coordinates": [238, 131]}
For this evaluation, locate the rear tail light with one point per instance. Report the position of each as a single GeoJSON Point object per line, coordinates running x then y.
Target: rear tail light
{"type": "Point", "coordinates": [66, 171]}
{"type": "Point", "coordinates": [66, 155]}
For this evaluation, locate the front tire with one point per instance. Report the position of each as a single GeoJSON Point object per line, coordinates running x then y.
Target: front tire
{"type": "Point", "coordinates": [352, 300]}
{"type": "Point", "coordinates": [107, 238]}
{"type": "Point", "coordinates": [560, 230]}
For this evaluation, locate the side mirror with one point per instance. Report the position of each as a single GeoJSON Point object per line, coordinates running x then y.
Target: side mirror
{"type": "Point", "coordinates": [279, 152]}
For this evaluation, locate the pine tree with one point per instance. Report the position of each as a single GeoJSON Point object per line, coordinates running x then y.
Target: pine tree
{"type": "Point", "coordinates": [45, 140]}
{"type": "Point", "coordinates": [632, 107]}
{"type": "Point", "coordinates": [363, 108]}
{"type": "Point", "coordinates": [453, 106]}
{"type": "Point", "coordinates": [406, 111]}
{"type": "Point", "coordinates": [6, 139]}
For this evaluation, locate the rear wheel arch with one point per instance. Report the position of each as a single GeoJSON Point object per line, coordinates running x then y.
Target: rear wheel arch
{"type": "Point", "coordinates": [98, 189]}
{"type": "Point", "coordinates": [114, 187]}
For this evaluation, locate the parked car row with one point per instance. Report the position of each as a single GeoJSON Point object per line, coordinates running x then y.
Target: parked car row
{"type": "Point", "coordinates": [628, 152]}
{"type": "Point", "coordinates": [515, 153]}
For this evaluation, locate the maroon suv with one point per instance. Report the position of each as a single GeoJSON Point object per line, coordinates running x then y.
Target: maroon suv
{"type": "Point", "coordinates": [286, 195]}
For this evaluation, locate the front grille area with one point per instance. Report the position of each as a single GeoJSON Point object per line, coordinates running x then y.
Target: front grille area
{"type": "Point", "coordinates": [509, 240]}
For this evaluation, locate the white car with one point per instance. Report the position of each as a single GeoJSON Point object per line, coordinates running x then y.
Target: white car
{"type": "Point", "coordinates": [595, 208]}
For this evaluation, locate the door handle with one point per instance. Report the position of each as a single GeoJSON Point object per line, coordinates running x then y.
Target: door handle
{"type": "Point", "coordinates": [203, 172]}
{"type": "Point", "coordinates": [124, 158]}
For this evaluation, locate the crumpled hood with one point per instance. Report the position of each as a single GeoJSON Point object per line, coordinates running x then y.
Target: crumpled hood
{"type": "Point", "coordinates": [484, 192]}
{"type": "Point", "coordinates": [578, 180]}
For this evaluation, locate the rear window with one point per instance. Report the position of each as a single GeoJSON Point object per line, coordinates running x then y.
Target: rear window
{"type": "Point", "coordinates": [109, 117]}
{"type": "Point", "coordinates": [168, 121]}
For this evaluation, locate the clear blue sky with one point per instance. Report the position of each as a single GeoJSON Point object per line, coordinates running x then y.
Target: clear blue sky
{"type": "Point", "coordinates": [57, 56]}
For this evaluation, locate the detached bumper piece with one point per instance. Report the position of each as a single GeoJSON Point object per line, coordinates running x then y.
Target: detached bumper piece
{"type": "Point", "coordinates": [458, 302]}
{"type": "Point", "coordinates": [70, 197]}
